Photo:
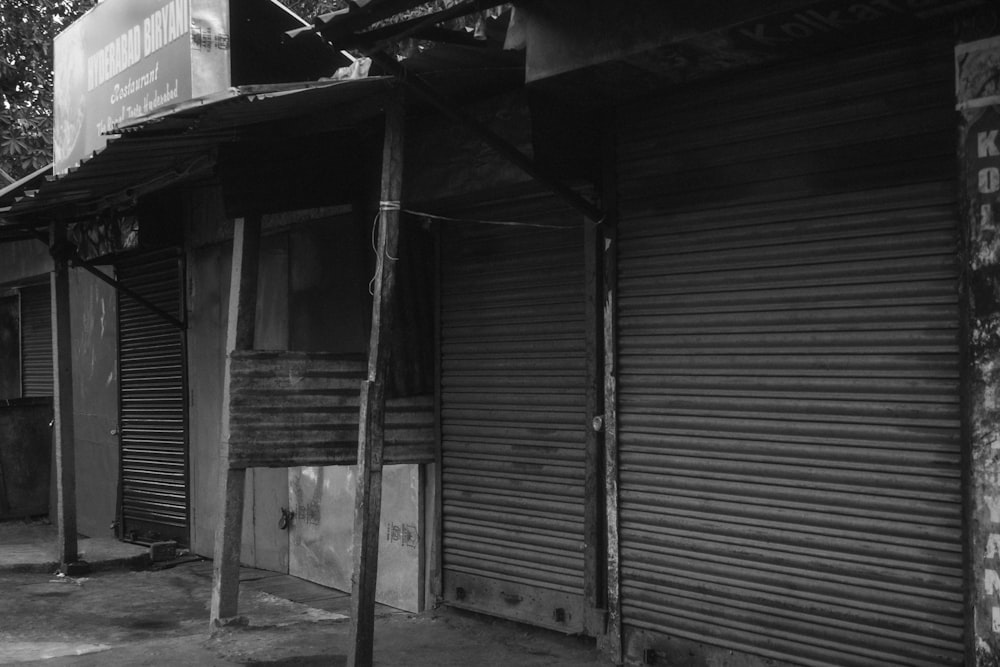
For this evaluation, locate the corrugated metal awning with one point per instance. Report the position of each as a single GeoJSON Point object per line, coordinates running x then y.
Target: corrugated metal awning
{"type": "Point", "coordinates": [164, 148]}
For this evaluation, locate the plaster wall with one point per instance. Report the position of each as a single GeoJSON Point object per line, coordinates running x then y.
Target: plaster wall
{"type": "Point", "coordinates": [94, 334]}
{"type": "Point", "coordinates": [20, 260]}
{"type": "Point", "coordinates": [208, 300]}
{"type": "Point", "coordinates": [94, 331]}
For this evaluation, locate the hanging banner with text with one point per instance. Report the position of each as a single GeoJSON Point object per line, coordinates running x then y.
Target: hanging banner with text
{"type": "Point", "coordinates": [128, 58]}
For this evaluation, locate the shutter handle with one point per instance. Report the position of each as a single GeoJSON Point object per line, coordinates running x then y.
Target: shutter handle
{"type": "Point", "coordinates": [511, 598]}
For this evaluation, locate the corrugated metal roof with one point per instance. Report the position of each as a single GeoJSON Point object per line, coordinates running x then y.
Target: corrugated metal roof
{"type": "Point", "coordinates": [172, 145]}
{"type": "Point", "coordinates": [182, 141]}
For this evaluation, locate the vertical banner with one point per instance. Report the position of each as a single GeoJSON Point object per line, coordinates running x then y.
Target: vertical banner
{"type": "Point", "coordinates": [125, 59]}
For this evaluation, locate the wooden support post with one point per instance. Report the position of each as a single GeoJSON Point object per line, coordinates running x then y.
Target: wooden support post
{"type": "Point", "coordinates": [232, 481]}
{"type": "Point", "coordinates": [368, 501]}
{"type": "Point", "coordinates": [593, 482]}
{"type": "Point", "coordinates": [63, 436]}
{"type": "Point", "coordinates": [612, 640]}
{"type": "Point", "coordinates": [437, 532]}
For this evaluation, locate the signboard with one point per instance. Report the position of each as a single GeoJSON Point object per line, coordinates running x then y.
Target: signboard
{"type": "Point", "coordinates": [127, 58]}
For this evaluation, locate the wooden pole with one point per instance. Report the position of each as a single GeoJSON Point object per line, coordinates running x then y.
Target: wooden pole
{"type": "Point", "coordinates": [593, 483]}
{"type": "Point", "coordinates": [612, 640]}
{"type": "Point", "coordinates": [63, 434]}
{"type": "Point", "coordinates": [232, 481]}
{"type": "Point", "coordinates": [368, 501]}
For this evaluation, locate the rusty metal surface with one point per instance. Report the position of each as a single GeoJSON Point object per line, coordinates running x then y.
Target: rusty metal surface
{"type": "Point", "coordinates": [789, 415]}
{"type": "Point", "coordinates": [513, 416]}
{"type": "Point", "coordinates": [301, 408]}
{"type": "Point", "coordinates": [321, 537]}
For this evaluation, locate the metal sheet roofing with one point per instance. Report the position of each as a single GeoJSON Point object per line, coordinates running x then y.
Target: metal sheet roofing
{"type": "Point", "coordinates": [169, 146]}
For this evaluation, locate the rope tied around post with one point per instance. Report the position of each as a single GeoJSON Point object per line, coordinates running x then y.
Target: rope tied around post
{"type": "Point", "coordinates": [383, 207]}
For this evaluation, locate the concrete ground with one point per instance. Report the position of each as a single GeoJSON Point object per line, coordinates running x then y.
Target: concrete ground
{"type": "Point", "coordinates": [30, 546]}
{"type": "Point", "coordinates": [120, 616]}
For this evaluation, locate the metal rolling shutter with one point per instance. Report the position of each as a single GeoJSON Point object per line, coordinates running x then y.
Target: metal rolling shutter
{"type": "Point", "coordinates": [512, 413]}
{"type": "Point", "coordinates": [154, 456]}
{"type": "Point", "coordinates": [36, 341]}
{"type": "Point", "coordinates": [789, 351]}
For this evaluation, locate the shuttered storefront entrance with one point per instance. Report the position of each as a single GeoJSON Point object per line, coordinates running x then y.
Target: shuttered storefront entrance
{"type": "Point", "coordinates": [154, 453]}
{"type": "Point", "coordinates": [789, 365]}
{"type": "Point", "coordinates": [36, 341]}
{"type": "Point", "coordinates": [512, 413]}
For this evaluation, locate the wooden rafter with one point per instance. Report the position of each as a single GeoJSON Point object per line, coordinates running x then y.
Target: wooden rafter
{"type": "Point", "coordinates": [426, 93]}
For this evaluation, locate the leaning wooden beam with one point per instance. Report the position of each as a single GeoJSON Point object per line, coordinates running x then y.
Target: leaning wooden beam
{"type": "Point", "coordinates": [368, 501]}
{"type": "Point", "coordinates": [63, 435]}
{"type": "Point", "coordinates": [239, 336]}
{"type": "Point", "coordinates": [129, 292]}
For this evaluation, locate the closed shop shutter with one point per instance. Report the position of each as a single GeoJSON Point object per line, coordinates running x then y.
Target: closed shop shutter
{"type": "Point", "coordinates": [154, 453]}
{"type": "Point", "coordinates": [513, 417]}
{"type": "Point", "coordinates": [36, 341]}
{"type": "Point", "coordinates": [789, 365]}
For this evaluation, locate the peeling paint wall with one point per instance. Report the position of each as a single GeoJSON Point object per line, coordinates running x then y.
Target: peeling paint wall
{"type": "Point", "coordinates": [978, 74]}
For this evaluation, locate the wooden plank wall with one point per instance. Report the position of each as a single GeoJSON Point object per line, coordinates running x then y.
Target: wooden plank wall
{"type": "Point", "coordinates": [301, 408]}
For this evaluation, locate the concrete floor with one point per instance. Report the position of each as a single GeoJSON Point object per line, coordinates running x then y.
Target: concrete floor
{"type": "Point", "coordinates": [118, 616]}
{"type": "Point", "coordinates": [31, 546]}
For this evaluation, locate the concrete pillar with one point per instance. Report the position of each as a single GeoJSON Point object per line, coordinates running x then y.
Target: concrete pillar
{"type": "Point", "coordinates": [978, 73]}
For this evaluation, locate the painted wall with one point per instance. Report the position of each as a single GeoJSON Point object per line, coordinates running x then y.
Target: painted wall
{"type": "Point", "coordinates": [94, 331]}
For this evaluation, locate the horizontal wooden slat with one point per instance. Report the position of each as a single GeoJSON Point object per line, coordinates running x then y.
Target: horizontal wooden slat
{"type": "Point", "coordinates": [297, 409]}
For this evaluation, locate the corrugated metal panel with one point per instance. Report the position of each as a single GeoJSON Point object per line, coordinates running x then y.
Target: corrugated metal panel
{"type": "Point", "coordinates": [154, 456]}
{"type": "Point", "coordinates": [36, 341]}
{"type": "Point", "coordinates": [513, 418]}
{"type": "Point", "coordinates": [302, 409]}
{"type": "Point", "coordinates": [789, 350]}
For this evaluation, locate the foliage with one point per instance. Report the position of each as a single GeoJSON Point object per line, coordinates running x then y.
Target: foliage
{"type": "Point", "coordinates": [309, 9]}
{"type": "Point", "coordinates": [27, 28]}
